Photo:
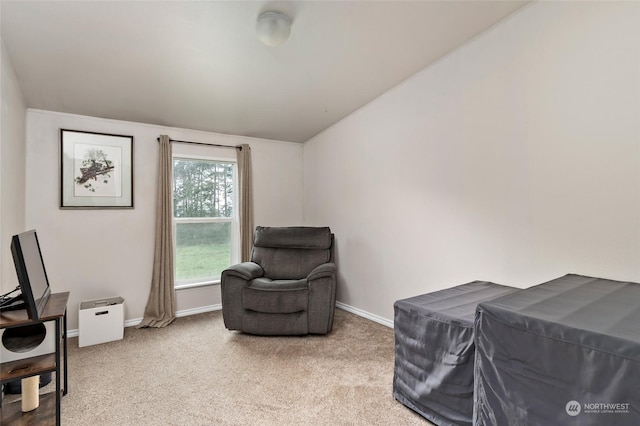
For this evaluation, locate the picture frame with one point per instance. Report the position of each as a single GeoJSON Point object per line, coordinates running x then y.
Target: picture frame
{"type": "Point", "coordinates": [96, 170]}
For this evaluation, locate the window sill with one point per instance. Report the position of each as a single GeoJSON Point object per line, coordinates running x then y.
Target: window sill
{"type": "Point", "coordinates": [196, 285]}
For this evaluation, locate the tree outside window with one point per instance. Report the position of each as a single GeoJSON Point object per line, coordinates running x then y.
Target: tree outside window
{"type": "Point", "coordinates": [203, 211]}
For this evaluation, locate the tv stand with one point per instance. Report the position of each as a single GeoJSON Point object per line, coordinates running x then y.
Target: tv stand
{"type": "Point", "coordinates": [49, 411]}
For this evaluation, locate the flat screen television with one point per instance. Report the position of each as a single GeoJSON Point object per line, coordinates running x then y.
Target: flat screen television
{"type": "Point", "coordinates": [32, 275]}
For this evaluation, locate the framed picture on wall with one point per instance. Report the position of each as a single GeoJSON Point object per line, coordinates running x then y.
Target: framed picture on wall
{"type": "Point", "coordinates": [96, 170]}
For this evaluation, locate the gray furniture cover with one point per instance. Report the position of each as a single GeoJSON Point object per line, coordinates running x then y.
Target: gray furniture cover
{"type": "Point", "coordinates": [288, 287]}
{"type": "Point", "coordinates": [434, 349]}
{"type": "Point", "coordinates": [566, 352]}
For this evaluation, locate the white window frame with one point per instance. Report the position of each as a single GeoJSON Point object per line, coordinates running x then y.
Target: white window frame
{"type": "Point", "coordinates": [234, 220]}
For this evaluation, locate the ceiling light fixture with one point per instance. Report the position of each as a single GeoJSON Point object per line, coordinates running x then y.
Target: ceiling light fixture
{"type": "Point", "coordinates": [273, 28]}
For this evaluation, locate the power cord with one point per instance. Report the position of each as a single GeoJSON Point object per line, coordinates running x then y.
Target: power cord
{"type": "Point", "coordinates": [8, 302]}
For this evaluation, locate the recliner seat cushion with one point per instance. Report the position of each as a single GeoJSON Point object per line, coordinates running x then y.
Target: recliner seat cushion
{"type": "Point", "coordinates": [276, 296]}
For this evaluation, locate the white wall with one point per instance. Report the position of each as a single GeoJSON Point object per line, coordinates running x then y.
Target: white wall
{"type": "Point", "coordinates": [514, 159]}
{"type": "Point", "coordinates": [12, 161]}
{"type": "Point", "coordinates": [101, 253]}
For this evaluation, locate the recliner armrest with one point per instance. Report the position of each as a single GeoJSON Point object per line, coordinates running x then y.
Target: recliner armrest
{"type": "Point", "coordinates": [321, 271]}
{"type": "Point", "coordinates": [246, 270]}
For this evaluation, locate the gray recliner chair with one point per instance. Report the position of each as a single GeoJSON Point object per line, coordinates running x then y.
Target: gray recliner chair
{"type": "Point", "coordinates": [288, 288]}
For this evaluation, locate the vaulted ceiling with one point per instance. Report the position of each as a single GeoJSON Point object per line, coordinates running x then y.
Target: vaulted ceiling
{"type": "Point", "coordinates": [199, 65]}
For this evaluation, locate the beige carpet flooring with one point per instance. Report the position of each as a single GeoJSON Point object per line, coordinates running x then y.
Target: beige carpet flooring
{"type": "Point", "coordinates": [195, 372]}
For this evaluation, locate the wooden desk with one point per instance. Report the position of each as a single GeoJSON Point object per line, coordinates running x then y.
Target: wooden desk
{"type": "Point", "coordinates": [49, 411]}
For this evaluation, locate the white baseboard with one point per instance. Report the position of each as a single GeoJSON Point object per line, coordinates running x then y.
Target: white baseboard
{"type": "Point", "coordinates": [365, 314]}
{"type": "Point", "coordinates": [201, 310]}
{"type": "Point", "coordinates": [183, 313]}
{"type": "Point", "coordinates": [193, 311]}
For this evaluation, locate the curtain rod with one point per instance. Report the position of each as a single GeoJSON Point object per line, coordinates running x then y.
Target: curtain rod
{"type": "Point", "coordinates": [203, 143]}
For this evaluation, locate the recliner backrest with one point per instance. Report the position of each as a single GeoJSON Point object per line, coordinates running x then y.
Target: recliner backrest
{"type": "Point", "coordinates": [291, 252]}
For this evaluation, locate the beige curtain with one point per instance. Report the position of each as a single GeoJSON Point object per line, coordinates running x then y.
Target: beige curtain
{"type": "Point", "coordinates": [161, 306]}
{"type": "Point", "coordinates": [245, 201]}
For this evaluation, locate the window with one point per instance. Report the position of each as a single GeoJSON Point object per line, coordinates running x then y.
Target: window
{"type": "Point", "coordinates": [204, 218]}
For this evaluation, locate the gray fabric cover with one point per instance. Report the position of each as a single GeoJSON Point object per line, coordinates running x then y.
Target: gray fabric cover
{"type": "Point", "coordinates": [575, 338]}
{"type": "Point", "coordinates": [288, 288]}
{"type": "Point", "coordinates": [434, 350]}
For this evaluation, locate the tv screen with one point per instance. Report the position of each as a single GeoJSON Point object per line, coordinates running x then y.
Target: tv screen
{"type": "Point", "coordinates": [32, 275]}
